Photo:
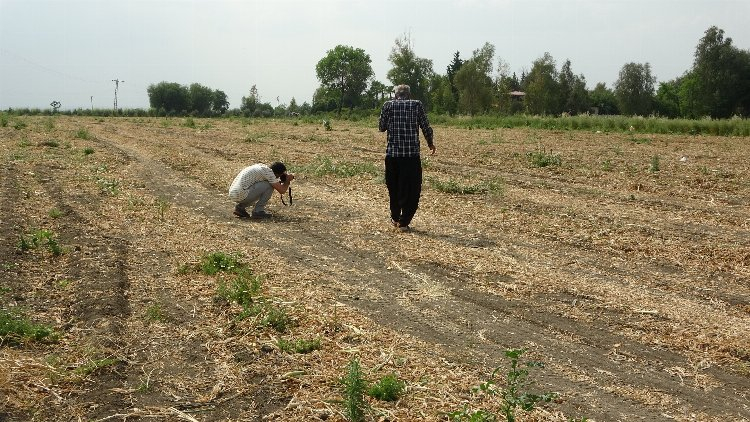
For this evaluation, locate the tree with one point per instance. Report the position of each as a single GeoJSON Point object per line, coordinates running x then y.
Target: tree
{"type": "Point", "coordinates": [504, 86]}
{"type": "Point", "coordinates": [542, 87]}
{"type": "Point", "coordinates": [169, 96]}
{"type": "Point", "coordinates": [346, 70]}
{"type": "Point", "coordinates": [219, 102]}
{"type": "Point", "coordinates": [325, 100]}
{"type": "Point", "coordinates": [376, 93]}
{"type": "Point", "coordinates": [574, 98]}
{"type": "Point", "coordinates": [451, 71]}
{"type": "Point", "coordinates": [251, 102]}
{"type": "Point", "coordinates": [667, 101]}
{"type": "Point", "coordinates": [474, 82]}
{"type": "Point", "coordinates": [293, 107]}
{"type": "Point", "coordinates": [634, 89]}
{"type": "Point", "coordinates": [441, 95]}
{"type": "Point", "coordinates": [718, 85]}
{"type": "Point", "coordinates": [201, 99]}
{"type": "Point", "coordinates": [603, 99]}
{"type": "Point", "coordinates": [409, 69]}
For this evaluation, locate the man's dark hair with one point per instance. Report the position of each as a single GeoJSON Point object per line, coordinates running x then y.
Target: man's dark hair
{"type": "Point", "coordinates": [278, 168]}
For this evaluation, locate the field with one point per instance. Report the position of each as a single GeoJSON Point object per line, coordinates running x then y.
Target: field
{"type": "Point", "coordinates": [620, 260]}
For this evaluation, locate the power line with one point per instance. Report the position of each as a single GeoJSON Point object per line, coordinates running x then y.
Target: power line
{"type": "Point", "coordinates": [117, 88]}
{"type": "Point", "coordinates": [5, 52]}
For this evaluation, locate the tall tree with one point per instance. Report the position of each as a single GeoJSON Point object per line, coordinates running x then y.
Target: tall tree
{"type": "Point", "coordinates": [719, 83]}
{"type": "Point", "coordinates": [346, 70]}
{"type": "Point", "coordinates": [169, 96]}
{"type": "Point", "coordinates": [574, 98]}
{"type": "Point", "coordinates": [504, 84]}
{"type": "Point", "coordinates": [634, 89]}
{"type": "Point", "coordinates": [451, 71]}
{"type": "Point", "coordinates": [667, 101]}
{"type": "Point", "coordinates": [441, 95]}
{"type": "Point", "coordinates": [219, 103]}
{"type": "Point", "coordinates": [409, 69]}
{"type": "Point", "coordinates": [542, 87]}
{"type": "Point", "coordinates": [376, 93]}
{"type": "Point", "coordinates": [201, 98]}
{"type": "Point", "coordinates": [474, 82]}
{"type": "Point", "coordinates": [250, 103]}
{"type": "Point", "coordinates": [603, 99]}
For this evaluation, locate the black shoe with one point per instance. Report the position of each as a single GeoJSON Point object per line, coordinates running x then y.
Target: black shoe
{"type": "Point", "coordinates": [241, 213]}
{"type": "Point", "coordinates": [261, 214]}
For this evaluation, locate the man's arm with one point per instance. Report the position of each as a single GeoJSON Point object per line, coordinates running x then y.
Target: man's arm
{"type": "Point", "coordinates": [424, 124]}
{"type": "Point", "coordinates": [281, 187]}
{"type": "Point", "coordinates": [385, 114]}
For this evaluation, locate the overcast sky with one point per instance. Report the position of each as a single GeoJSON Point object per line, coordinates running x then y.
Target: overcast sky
{"type": "Point", "coordinates": [72, 50]}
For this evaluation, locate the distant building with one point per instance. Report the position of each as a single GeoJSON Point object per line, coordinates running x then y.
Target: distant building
{"type": "Point", "coordinates": [517, 95]}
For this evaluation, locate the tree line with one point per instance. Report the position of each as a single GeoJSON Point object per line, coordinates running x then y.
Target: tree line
{"type": "Point", "coordinates": [717, 85]}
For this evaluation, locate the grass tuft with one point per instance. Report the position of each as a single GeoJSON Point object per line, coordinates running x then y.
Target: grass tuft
{"type": "Point", "coordinates": [388, 388]}
{"type": "Point", "coordinates": [15, 328]}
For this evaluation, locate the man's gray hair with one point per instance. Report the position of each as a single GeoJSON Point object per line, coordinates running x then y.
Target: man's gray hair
{"type": "Point", "coordinates": [402, 91]}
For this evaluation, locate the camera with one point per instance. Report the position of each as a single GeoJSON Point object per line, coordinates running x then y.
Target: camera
{"type": "Point", "coordinates": [282, 177]}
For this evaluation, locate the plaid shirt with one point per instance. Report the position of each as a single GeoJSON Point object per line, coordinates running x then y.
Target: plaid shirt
{"type": "Point", "coordinates": [403, 119]}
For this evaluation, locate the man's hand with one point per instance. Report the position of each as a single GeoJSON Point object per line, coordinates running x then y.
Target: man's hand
{"type": "Point", "coordinates": [289, 177]}
{"type": "Point", "coordinates": [432, 148]}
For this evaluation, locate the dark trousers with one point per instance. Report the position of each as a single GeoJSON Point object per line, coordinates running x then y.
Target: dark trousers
{"type": "Point", "coordinates": [403, 176]}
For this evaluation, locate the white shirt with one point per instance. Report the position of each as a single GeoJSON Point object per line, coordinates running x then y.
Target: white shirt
{"type": "Point", "coordinates": [248, 177]}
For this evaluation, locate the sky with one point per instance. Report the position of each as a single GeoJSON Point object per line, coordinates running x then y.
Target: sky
{"type": "Point", "coordinates": [72, 51]}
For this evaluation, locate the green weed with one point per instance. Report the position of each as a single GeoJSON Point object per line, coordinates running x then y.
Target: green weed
{"type": "Point", "coordinates": [55, 213]}
{"type": "Point", "coordinates": [512, 393]}
{"type": "Point", "coordinates": [50, 143]}
{"type": "Point", "coordinates": [189, 122]}
{"type": "Point", "coordinates": [324, 166]}
{"type": "Point", "coordinates": [15, 328]}
{"type": "Point", "coordinates": [494, 186]}
{"type": "Point", "coordinates": [216, 262]}
{"type": "Point", "coordinates": [83, 133]}
{"type": "Point", "coordinates": [276, 318]}
{"type": "Point", "coordinates": [88, 151]}
{"type": "Point", "coordinates": [654, 166]}
{"type": "Point", "coordinates": [354, 388]}
{"type": "Point", "coordinates": [154, 313]}
{"type": "Point", "coordinates": [327, 125]}
{"type": "Point", "coordinates": [640, 140]}
{"type": "Point", "coordinates": [541, 158]}
{"type": "Point", "coordinates": [163, 205]}
{"type": "Point", "coordinates": [38, 238]}
{"type": "Point", "coordinates": [388, 388]}
{"type": "Point", "coordinates": [111, 186]}
{"type": "Point", "coordinates": [94, 365]}
{"type": "Point", "coordinates": [240, 290]}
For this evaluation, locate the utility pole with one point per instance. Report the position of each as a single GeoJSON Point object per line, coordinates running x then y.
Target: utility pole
{"type": "Point", "coordinates": [117, 88]}
{"type": "Point", "coordinates": [92, 103]}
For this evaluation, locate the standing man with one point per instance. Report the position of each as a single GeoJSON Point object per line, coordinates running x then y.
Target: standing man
{"type": "Point", "coordinates": [255, 184]}
{"type": "Point", "coordinates": [402, 118]}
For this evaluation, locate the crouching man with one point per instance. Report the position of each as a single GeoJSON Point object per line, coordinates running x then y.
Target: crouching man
{"type": "Point", "coordinates": [254, 186]}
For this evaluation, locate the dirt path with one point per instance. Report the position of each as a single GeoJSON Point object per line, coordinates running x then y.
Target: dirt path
{"type": "Point", "coordinates": [635, 299]}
